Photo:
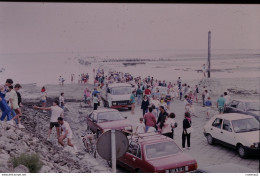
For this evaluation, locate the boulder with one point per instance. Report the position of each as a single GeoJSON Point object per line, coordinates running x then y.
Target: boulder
{"type": "Point", "coordinates": [21, 169]}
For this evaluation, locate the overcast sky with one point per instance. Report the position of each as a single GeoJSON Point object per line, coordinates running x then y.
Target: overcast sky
{"type": "Point", "coordinates": [83, 27]}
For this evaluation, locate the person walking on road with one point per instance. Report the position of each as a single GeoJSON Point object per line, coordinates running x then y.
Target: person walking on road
{"type": "Point", "coordinates": [221, 104]}
{"type": "Point", "coordinates": [132, 101]}
{"type": "Point", "coordinates": [185, 135]}
{"type": "Point", "coordinates": [145, 104]}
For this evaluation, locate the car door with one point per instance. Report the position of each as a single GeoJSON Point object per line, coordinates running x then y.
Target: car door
{"type": "Point", "coordinates": [92, 122]}
{"type": "Point", "coordinates": [227, 134]}
{"type": "Point", "coordinates": [215, 129]}
{"type": "Point", "coordinates": [133, 157]}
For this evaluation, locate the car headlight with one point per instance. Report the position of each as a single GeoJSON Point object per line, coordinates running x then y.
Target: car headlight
{"type": "Point", "coordinates": [129, 128]}
{"type": "Point", "coordinates": [114, 103]}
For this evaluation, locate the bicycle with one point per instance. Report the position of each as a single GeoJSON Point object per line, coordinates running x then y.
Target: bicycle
{"type": "Point", "coordinates": [89, 141]}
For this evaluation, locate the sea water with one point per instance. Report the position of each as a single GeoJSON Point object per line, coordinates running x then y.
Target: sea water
{"type": "Point", "coordinates": [45, 68]}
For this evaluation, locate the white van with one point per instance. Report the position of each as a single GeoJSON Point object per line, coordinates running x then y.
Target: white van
{"type": "Point", "coordinates": [117, 95]}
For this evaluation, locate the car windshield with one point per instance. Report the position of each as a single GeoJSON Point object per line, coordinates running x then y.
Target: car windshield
{"type": "Point", "coordinates": [109, 116]}
{"type": "Point", "coordinates": [162, 149]}
{"type": "Point", "coordinates": [121, 90]}
{"type": "Point", "coordinates": [245, 125]}
{"type": "Point", "coordinates": [252, 106]}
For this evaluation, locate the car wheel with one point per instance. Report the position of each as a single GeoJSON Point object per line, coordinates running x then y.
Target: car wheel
{"type": "Point", "coordinates": [129, 108]}
{"type": "Point", "coordinates": [138, 171]}
{"type": "Point", "coordinates": [241, 151]}
{"type": "Point", "coordinates": [210, 139]}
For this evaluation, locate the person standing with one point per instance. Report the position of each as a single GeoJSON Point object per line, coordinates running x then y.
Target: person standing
{"type": "Point", "coordinates": [179, 82]}
{"type": "Point", "coordinates": [13, 103]}
{"type": "Point", "coordinates": [140, 127]}
{"type": "Point", "coordinates": [43, 97]}
{"type": "Point", "coordinates": [66, 132]}
{"type": "Point", "coordinates": [208, 104]}
{"type": "Point", "coordinates": [186, 124]}
{"type": "Point", "coordinates": [95, 101]}
{"type": "Point", "coordinates": [61, 100]}
{"type": "Point", "coordinates": [227, 98]}
{"type": "Point", "coordinates": [203, 96]}
{"type": "Point", "coordinates": [204, 70]}
{"type": "Point", "coordinates": [149, 119]}
{"type": "Point", "coordinates": [221, 104]}
{"type": "Point", "coordinates": [56, 112]}
{"type": "Point", "coordinates": [145, 104]}
{"type": "Point", "coordinates": [6, 110]}
{"type": "Point", "coordinates": [132, 101]}
{"type": "Point", "coordinates": [196, 91]}
{"type": "Point", "coordinates": [60, 80]}
{"type": "Point", "coordinates": [161, 114]}
{"type": "Point", "coordinates": [139, 94]}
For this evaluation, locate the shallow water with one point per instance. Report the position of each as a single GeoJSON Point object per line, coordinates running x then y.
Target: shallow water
{"type": "Point", "coordinates": [45, 68]}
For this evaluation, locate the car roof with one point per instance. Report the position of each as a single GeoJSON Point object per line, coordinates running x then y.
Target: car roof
{"type": "Point", "coordinates": [104, 110]}
{"type": "Point", "coordinates": [147, 138]}
{"type": "Point", "coordinates": [246, 100]}
{"type": "Point", "coordinates": [233, 116]}
{"type": "Point", "coordinates": [119, 85]}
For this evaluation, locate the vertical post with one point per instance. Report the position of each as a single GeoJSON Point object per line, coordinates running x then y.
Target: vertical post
{"type": "Point", "coordinates": [113, 152]}
{"type": "Point", "coordinates": [209, 54]}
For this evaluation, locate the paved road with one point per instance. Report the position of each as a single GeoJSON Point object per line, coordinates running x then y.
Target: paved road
{"type": "Point", "coordinates": [204, 153]}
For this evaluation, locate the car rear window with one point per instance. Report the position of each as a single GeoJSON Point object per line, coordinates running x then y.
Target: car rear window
{"type": "Point", "coordinates": [109, 116]}
{"type": "Point", "coordinates": [161, 149]}
{"type": "Point", "coordinates": [245, 125]}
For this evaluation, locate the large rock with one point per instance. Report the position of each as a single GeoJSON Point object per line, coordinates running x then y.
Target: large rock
{"type": "Point", "coordinates": [21, 169]}
{"type": "Point", "coordinates": [45, 169]}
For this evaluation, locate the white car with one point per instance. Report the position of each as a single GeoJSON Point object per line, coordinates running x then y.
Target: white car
{"type": "Point", "coordinates": [117, 95]}
{"type": "Point", "coordinates": [238, 131]}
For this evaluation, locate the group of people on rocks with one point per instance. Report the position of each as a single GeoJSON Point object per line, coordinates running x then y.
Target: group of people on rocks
{"type": "Point", "coordinates": [11, 103]}
{"type": "Point", "coordinates": [56, 120]}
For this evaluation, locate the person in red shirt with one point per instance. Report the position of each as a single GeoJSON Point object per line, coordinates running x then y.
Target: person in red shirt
{"type": "Point", "coordinates": [149, 119]}
{"type": "Point", "coordinates": [147, 92]}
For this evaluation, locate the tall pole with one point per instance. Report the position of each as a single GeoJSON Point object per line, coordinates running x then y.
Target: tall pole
{"type": "Point", "coordinates": [113, 148]}
{"type": "Point", "coordinates": [209, 54]}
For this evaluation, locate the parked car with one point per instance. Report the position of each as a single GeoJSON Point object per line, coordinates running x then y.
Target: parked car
{"type": "Point", "coordinates": [102, 120]}
{"type": "Point", "coordinates": [237, 131]}
{"type": "Point", "coordinates": [117, 95]}
{"type": "Point", "coordinates": [248, 107]}
{"type": "Point", "coordinates": [152, 152]}
{"type": "Point", "coordinates": [224, 168]}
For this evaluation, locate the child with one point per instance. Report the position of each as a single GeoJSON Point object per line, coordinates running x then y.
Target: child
{"type": "Point", "coordinates": [140, 127]}
{"type": "Point", "coordinates": [208, 104]}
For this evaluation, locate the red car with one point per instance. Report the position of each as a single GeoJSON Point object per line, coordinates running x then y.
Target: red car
{"type": "Point", "coordinates": [151, 152]}
{"type": "Point", "coordinates": [102, 120]}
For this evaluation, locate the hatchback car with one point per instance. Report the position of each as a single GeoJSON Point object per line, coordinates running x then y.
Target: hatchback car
{"type": "Point", "coordinates": [248, 107]}
{"type": "Point", "coordinates": [102, 120]}
{"type": "Point", "coordinates": [152, 152]}
{"type": "Point", "coordinates": [237, 131]}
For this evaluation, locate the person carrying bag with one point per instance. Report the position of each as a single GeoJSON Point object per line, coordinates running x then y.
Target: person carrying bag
{"type": "Point", "coordinates": [187, 130]}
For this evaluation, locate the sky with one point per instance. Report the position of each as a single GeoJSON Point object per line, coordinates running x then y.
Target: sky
{"type": "Point", "coordinates": [86, 27]}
